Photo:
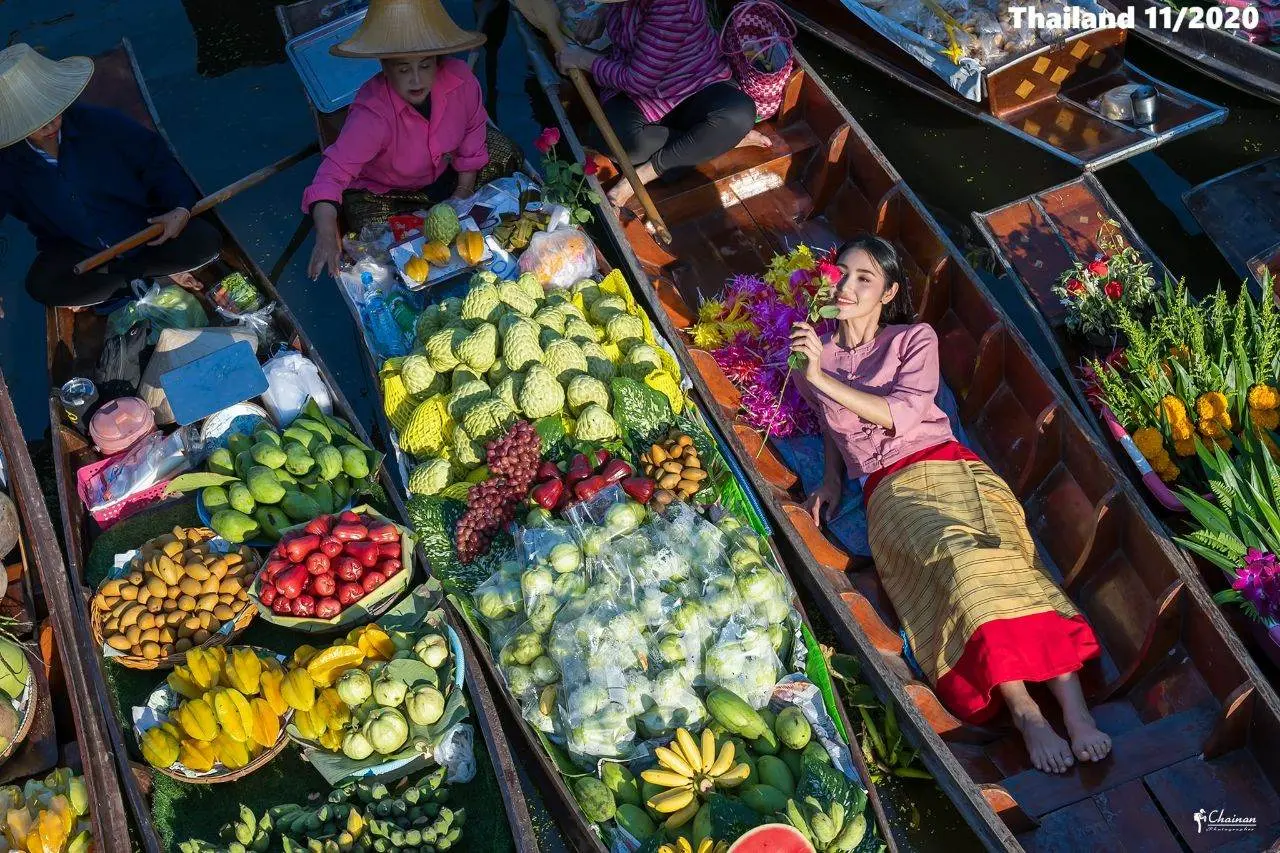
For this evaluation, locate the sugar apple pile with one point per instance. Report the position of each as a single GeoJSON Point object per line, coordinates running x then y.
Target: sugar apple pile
{"type": "Point", "coordinates": [507, 350]}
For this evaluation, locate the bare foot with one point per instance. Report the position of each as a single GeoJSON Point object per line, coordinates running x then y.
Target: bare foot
{"type": "Point", "coordinates": [622, 191]}
{"type": "Point", "coordinates": [1088, 742]}
{"type": "Point", "coordinates": [755, 139]}
{"type": "Point", "coordinates": [1049, 752]}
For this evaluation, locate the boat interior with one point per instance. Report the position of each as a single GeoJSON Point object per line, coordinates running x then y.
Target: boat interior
{"type": "Point", "coordinates": [1187, 711]}
{"type": "Point", "coordinates": [1251, 244]}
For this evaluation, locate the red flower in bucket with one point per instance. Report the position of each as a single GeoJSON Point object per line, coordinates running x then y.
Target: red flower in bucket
{"type": "Point", "coordinates": [1114, 289]}
{"type": "Point", "coordinates": [590, 166]}
{"type": "Point", "coordinates": [1075, 286]}
{"type": "Point", "coordinates": [1099, 267]}
{"type": "Point", "coordinates": [547, 139]}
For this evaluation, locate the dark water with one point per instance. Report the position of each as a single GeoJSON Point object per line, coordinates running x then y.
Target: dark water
{"type": "Point", "coordinates": [231, 103]}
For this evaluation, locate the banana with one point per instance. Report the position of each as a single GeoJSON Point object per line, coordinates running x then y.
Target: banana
{"type": "Point", "coordinates": [796, 818]}
{"type": "Point", "coordinates": [733, 778]}
{"type": "Point", "coordinates": [689, 747]}
{"type": "Point", "coordinates": [673, 800]}
{"type": "Point", "coordinates": [665, 778]}
{"type": "Point", "coordinates": [708, 749]}
{"type": "Point", "coordinates": [723, 761]}
{"type": "Point", "coordinates": [851, 836]}
{"type": "Point", "coordinates": [671, 760]}
{"type": "Point", "coordinates": [680, 818]}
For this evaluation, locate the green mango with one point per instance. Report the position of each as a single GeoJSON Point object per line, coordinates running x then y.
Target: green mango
{"type": "Point", "coordinates": [634, 820]}
{"type": "Point", "coordinates": [618, 779]}
{"type": "Point", "coordinates": [648, 791]}
{"type": "Point", "coordinates": [322, 494]}
{"type": "Point", "coordinates": [329, 460]}
{"type": "Point", "coordinates": [285, 478]}
{"type": "Point", "coordinates": [244, 461]}
{"type": "Point", "coordinates": [222, 462]}
{"type": "Point", "coordinates": [764, 800]}
{"type": "Point", "coordinates": [214, 497]}
{"type": "Point", "coordinates": [233, 526]}
{"type": "Point", "coordinates": [238, 443]}
{"type": "Point", "coordinates": [793, 759]}
{"type": "Point", "coordinates": [266, 432]}
{"type": "Point", "coordinates": [775, 773]}
{"type": "Point", "coordinates": [271, 521]}
{"type": "Point", "coordinates": [300, 507]}
{"type": "Point", "coordinates": [321, 430]}
{"type": "Point", "coordinates": [305, 437]}
{"type": "Point", "coordinates": [240, 498]}
{"type": "Point", "coordinates": [268, 454]}
{"type": "Point", "coordinates": [355, 463]}
{"type": "Point", "coordinates": [701, 825]}
{"type": "Point", "coordinates": [818, 751]}
{"type": "Point", "coordinates": [297, 461]}
{"type": "Point", "coordinates": [341, 486]}
{"type": "Point", "coordinates": [264, 486]}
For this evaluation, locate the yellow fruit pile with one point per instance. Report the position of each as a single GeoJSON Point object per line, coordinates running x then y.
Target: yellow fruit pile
{"type": "Point", "coordinates": [233, 704]}
{"type": "Point", "coordinates": [1264, 407]}
{"type": "Point", "coordinates": [688, 771]}
{"type": "Point", "coordinates": [178, 593]}
{"type": "Point", "coordinates": [321, 715]}
{"type": "Point", "coordinates": [325, 721]}
{"type": "Point", "coordinates": [706, 845]}
{"type": "Point", "coordinates": [49, 816]}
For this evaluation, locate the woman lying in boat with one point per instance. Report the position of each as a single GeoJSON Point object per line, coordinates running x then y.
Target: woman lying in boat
{"type": "Point", "coordinates": [949, 538]}
{"type": "Point", "coordinates": [83, 178]}
{"type": "Point", "coordinates": [416, 133]}
{"type": "Point", "coordinates": [668, 89]}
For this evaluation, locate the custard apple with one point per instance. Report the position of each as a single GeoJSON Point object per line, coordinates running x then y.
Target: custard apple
{"type": "Point", "coordinates": [599, 364]}
{"type": "Point", "coordinates": [520, 346]}
{"type": "Point", "coordinates": [564, 358]}
{"type": "Point", "coordinates": [442, 348]}
{"type": "Point", "coordinates": [589, 291]}
{"type": "Point", "coordinates": [396, 401]}
{"type": "Point", "coordinates": [482, 303]}
{"type": "Point", "coordinates": [595, 424]}
{"type": "Point", "coordinates": [430, 478]}
{"type": "Point", "coordinates": [461, 376]}
{"type": "Point", "coordinates": [624, 327]}
{"type": "Point", "coordinates": [583, 390]}
{"type": "Point", "coordinates": [546, 337]}
{"type": "Point", "coordinates": [516, 298]}
{"type": "Point", "coordinates": [428, 427]}
{"type": "Point", "coordinates": [551, 317]}
{"type": "Point", "coordinates": [466, 452]}
{"type": "Point", "coordinates": [540, 395]}
{"type": "Point", "coordinates": [498, 372]}
{"type": "Point", "coordinates": [640, 360]}
{"type": "Point", "coordinates": [488, 419]}
{"type": "Point", "coordinates": [483, 277]}
{"type": "Point", "coordinates": [528, 282]}
{"type": "Point", "coordinates": [417, 374]}
{"type": "Point", "coordinates": [508, 390]}
{"type": "Point", "coordinates": [480, 348]}
{"type": "Point", "coordinates": [579, 331]}
{"type": "Point", "coordinates": [432, 319]}
{"type": "Point", "coordinates": [441, 224]}
{"type": "Point", "coordinates": [465, 397]}
{"type": "Point", "coordinates": [603, 309]}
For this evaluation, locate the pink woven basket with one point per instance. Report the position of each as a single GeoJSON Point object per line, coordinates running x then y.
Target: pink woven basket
{"type": "Point", "coordinates": [131, 505]}
{"type": "Point", "coordinates": [754, 28]}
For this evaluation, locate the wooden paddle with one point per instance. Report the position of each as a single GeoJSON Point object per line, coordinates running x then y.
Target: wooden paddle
{"type": "Point", "coordinates": [545, 16]}
{"type": "Point", "coordinates": [148, 234]}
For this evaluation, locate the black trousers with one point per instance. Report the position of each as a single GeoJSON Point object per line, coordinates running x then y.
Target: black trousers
{"type": "Point", "coordinates": [51, 280]}
{"type": "Point", "coordinates": [702, 126]}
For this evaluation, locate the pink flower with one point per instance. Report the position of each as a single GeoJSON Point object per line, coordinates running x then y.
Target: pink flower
{"type": "Point", "coordinates": [1258, 582]}
{"type": "Point", "coordinates": [547, 139]}
{"type": "Point", "coordinates": [1099, 267]}
{"type": "Point", "coordinates": [1114, 289]}
{"type": "Point", "coordinates": [1074, 286]}
{"type": "Point", "coordinates": [830, 272]}
{"type": "Point", "coordinates": [590, 166]}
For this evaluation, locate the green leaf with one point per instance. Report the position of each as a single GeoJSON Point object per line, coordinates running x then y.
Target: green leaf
{"type": "Point", "coordinates": [830, 312]}
{"type": "Point", "coordinates": [581, 214]}
{"type": "Point", "coordinates": [594, 197]}
{"type": "Point", "coordinates": [197, 480]}
{"type": "Point", "coordinates": [1228, 596]}
{"type": "Point", "coordinates": [816, 669]}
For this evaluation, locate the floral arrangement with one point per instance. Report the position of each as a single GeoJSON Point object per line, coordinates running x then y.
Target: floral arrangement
{"type": "Point", "coordinates": [1193, 373]}
{"type": "Point", "coordinates": [565, 183]}
{"type": "Point", "coordinates": [1095, 292]}
{"type": "Point", "coordinates": [747, 330]}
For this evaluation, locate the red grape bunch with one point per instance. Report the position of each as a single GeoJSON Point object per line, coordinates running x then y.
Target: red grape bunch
{"type": "Point", "coordinates": [491, 505]}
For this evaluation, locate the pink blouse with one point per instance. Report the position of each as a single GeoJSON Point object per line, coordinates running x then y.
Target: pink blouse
{"type": "Point", "coordinates": [387, 145]}
{"type": "Point", "coordinates": [901, 365]}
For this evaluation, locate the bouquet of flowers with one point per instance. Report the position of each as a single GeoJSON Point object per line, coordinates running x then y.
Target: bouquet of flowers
{"type": "Point", "coordinates": [1095, 292]}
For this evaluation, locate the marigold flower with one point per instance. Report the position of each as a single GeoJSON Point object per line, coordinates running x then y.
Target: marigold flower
{"type": "Point", "coordinates": [1182, 431]}
{"type": "Point", "coordinates": [1149, 441]}
{"type": "Point", "coordinates": [1264, 397]}
{"type": "Point", "coordinates": [1209, 428]}
{"type": "Point", "coordinates": [1265, 418]}
{"type": "Point", "coordinates": [1169, 473]}
{"type": "Point", "coordinates": [1223, 441]}
{"type": "Point", "coordinates": [1211, 404]}
{"type": "Point", "coordinates": [1224, 420]}
{"type": "Point", "coordinates": [1186, 447]}
{"type": "Point", "coordinates": [1173, 409]}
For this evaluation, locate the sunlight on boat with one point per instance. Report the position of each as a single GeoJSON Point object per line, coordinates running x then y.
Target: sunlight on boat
{"type": "Point", "coordinates": [750, 185]}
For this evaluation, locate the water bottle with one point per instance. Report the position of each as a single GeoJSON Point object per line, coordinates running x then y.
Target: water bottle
{"type": "Point", "coordinates": [383, 332]}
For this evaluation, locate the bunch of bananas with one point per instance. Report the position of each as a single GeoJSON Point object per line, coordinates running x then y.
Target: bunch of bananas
{"type": "Point", "coordinates": [688, 772]}
{"type": "Point", "coordinates": [231, 711]}
{"type": "Point", "coordinates": [829, 830]}
{"type": "Point", "coordinates": [706, 845]}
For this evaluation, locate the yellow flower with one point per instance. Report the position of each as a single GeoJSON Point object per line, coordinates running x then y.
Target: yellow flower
{"type": "Point", "coordinates": [1224, 420]}
{"type": "Point", "coordinates": [711, 310]}
{"type": "Point", "coordinates": [1264, 418]}
{"type": "Point", "coordinates": [1211, 404]}
{"type": "Point", "coordinates": [1173, 409]}
{"type": "Point", "coordinates": [706, 336]}
{"type": "Point", "coordinates": [1168, 474]}
{"type": "Point", "coordinates": [1149, 441]}
{"type": "Point", "coordinates": [1223, 441]}
{"type": "Point", "coordinates": [1264, 397]}
{"type": "Point", "coordinates": [1209, 428]}
{"type": "Point", "coordinates": [1186, 447]}
{"type": "Point", "coordinates": [1182, 430]}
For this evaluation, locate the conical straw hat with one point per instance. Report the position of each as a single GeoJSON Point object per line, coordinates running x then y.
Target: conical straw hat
{"type": "Point", "coordinates": [404, 27]}
{"type": "Point", "coordinates": [34, 90]}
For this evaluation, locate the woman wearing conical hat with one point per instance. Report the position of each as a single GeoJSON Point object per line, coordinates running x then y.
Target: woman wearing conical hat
{"type": "Point", "coordinates": [419, 124]}
{"type": "Point", "coordinates": [83, 178]}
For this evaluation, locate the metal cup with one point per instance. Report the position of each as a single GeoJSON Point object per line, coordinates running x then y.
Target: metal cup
{"type": "Point", "coordinates": [1144, 105]}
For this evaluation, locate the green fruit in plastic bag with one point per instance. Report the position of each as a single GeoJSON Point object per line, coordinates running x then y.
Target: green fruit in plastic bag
{"type": "Point", "coordinates": [271, 521]}
{"type": "Point", "coordinates": [221, 461]}
{"type": "Point", "coordinates": [233, 526]}
{"type": "Point", "coordinates": [328, 460]}
{"type": "Point", "coordinates": [266, 453]}
{"type": "Point", "coordinates": [214, 497]}
{"type": "Point", "coordinates": [240, 498]}
{"type": "Point", "coordinates": [300, 507]}
{"type": "Point", "coordinates": [355, 463]}
{"type": "Point", "coordinates": [264, 486]}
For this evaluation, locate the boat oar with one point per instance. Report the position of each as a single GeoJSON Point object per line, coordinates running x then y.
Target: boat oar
{"type": "Point", "coordinates": [545, 16]}
{"type": "Point", "coordinates": [150, 233]}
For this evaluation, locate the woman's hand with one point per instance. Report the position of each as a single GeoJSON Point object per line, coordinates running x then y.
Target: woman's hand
{"type": "Point", "coordinates": [574, 56]}
{"type": "Point", "coordinates": [173, 221]}
{"type": "Point", "coordinates": [824, 500]}
{"type": "Point", "coordinates": [805, 341]}
{"type": "Point", "coordinates": [327, 252]}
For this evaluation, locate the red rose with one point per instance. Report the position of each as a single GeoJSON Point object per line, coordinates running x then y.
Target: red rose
{"type": "Point", "coordinates": [547, 139]}
{"type": "Point", "coordinates": [830, 271]}
{"type": "Point", "coordinates": [1114, 289]}
{"type": "Point", "coordinates": [1075, 285]}
{"type": "Point", "coordinates": [590, 166]}
{"type": "Point", "coordinates": [1099, 267]}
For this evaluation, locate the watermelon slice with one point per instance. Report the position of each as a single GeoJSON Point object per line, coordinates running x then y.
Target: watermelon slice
{"type": "Point", "coordinates": [772, 838]}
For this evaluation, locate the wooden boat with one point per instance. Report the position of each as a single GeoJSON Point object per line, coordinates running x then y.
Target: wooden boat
{"type": "Point", "coordinates": [1216, 51]}
{"type": "Point", "coordinates": [1042, 98]}
{"type": "Point", "coordinates": [1187, 709]}
{"type": "Point", "coordinates": [74, 341]}
{"type": "Point", "coordinates": [1240, 211]}
{"type": "Point", "coordinates": [69, 727]}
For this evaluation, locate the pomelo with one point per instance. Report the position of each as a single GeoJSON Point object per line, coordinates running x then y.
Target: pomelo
{"type": "Point", "coordinates": [772, 838]}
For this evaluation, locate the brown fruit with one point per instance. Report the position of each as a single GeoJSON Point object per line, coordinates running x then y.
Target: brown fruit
{"type": "Point", "coordinates": [135, 578]}
{"type": "Point", "coordinates": [210, 585]}
{"type": "Point", "coordinates": [147, 620]}
{"type": "Point", "coordinates": [189, 586]}
{"type": "Point", "coordinates": [155, 605]}
{"type": "Point", "coordinates": [206, 602]}
{"type": "Point", "coordinates": [150, 635]}
{"type": "Point", "coordinates": [150, 651]}
{"type": "Point", "coordinates": [199, 571]}
{"type": "Point", "coordinates": [182, 644]}
{"type": "Point", "coordinates": [119, 642]}
{"type": "Point", "coordinates": [697, 475]}
{"type": "Point", "coordinates": [129, 593]}
{"type": "Point", "coordinates": [133, 634]}
{"type": "Point", "coordinates": [223, 613]}
{"type": "Point", "coordinates": [155, 586]}
{"type": "Point", "coordinates": [200, 636]}
{"type": "Point", "coordinates": [230, 585]}
{"type": "Point", "coordinates": [668, 481]}
{"type": "Point", "coordinates": [672, 467]}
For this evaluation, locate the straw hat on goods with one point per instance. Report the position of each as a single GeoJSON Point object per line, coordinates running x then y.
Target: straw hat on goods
{"type": "Point", "coordinates": [34, 90]}
{"type": "Point", "coordinates": [405, 28]}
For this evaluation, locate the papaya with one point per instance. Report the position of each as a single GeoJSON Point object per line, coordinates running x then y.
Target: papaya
{"type": "Point", "coordinates": [268, 454]}
{"type": "Point", "coordinates": [328, 460]}
{"type": "Point", "coordinates": [297, 460]}
{"type": "Point", "coordinates": [300, 507]}
{"type": "Point", "coordinates": [354, 462]}
{"type": "Point", "coordinates": [238, 443]}
{"type": "Point", "coordinates": [222, 461]}
{"type": "Point", "coordinates": [240, 498]}
{"type": "Point", "coordinates": [214, 497]}
{"type": "Point", "coordinates": [264, 486]}
{"type": "Point", "coordinates": [233, 526]}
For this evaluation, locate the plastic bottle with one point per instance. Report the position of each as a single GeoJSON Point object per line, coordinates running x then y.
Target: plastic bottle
{"type": "Point", "coordinates": [385, 335]}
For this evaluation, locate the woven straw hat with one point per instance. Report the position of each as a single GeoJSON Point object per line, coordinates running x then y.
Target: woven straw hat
{"type": "Point", "coordinates": [407, 27]}
{"type": "Point", "coordinates": [34, 90]}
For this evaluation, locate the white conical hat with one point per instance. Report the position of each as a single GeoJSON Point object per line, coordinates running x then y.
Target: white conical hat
{"type": "Point", "coordinates": [407, 27]}
{"type": "Point", "coordinates": [34, 90]}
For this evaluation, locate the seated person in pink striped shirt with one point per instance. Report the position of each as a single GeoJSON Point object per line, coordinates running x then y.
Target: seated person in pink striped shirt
{"type": "Point", "coordinates": [668, 89]}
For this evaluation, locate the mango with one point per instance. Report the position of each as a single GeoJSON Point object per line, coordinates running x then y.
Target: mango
{"type": "Point", "coordinates": [304, 437]}
{"type": "Point", "coordinates": [618, 779]}
{"type": "Point", "coordinates": [240, 498]}
{"type": "Point", "coordinates": [329, 460]}
{"type": "Point", "coordinates": [244, 461]}
{"type": "Point", "coordinates": [214, 497]}
{"type": "Point", "coordinates": [265, 431]}
{"type": "Point", "coordinates": [775, 773]}
{"type": "Point", "coordinates": [238, 443]}
{"type": "Point", "coordinates": [322, 494]}
{"type": "Point", "coordinates": [271, 521]}
{"type": "Point", "coordinates": [264, 486]}
{"type": "Point", "coordinates": [284, 478]}
{"type": "Point", "coordinates": [297, 460]}
{"type": "Point", "coordinates": [322, 431]}
{"type": "Point", "coordinates": [764, 800]}
{"type": "Point", "coordinates": [300, 507]}
{"type": "Point", "coordinates": [222, 461]}
{"type": "Point", "coordinates": [354, 463]}
{"type": "Point", "coordinates": [233, 526]}
{"type": "Point", "coordinates": [268, 454]}
{"type": "Point", "coordinates": [634, 820]}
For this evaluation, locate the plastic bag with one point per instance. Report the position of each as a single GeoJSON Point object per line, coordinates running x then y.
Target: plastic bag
{"type": "Point", "coordinates": [292, 379]}
{"type": "Point", "coordinates": [559, 258]}
{"type": "Point", "coordinates": [258, 322]}
{"type": "Point", "coordinates": [154, 458]}
{"type": "Point", "coordinates": [236, 294]}
{"type": "Point", "coordinates": [744, 661]}
{"type": "Point", "coordinates": [168, 307]}
{"type": "Point", "coordinates": [584, 20]}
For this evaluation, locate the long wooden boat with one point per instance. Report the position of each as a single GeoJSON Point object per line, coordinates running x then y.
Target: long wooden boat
{"type": "Point", "coordinates": [1042, 97]}
{"type": "Point", "coordinates": [74, 341]}
{"type": "Point", "coordinates": [69, 727]}
{"type": "Point", "coordinates": [1240, 211]}
{"type": "Point", "coordinates": [1187, 710]}
{"type": "Point", "coordinates": [1215, 51]}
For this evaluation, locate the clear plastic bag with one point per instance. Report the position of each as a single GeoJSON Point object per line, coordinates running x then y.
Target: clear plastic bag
{"type": "Point", "coordinates": [293, 379]}
{"type": "Point", "coordinates": [258, 322]}
{"type": "Point", "coordinates": [559, 258]}
{"type": "Point", "coordinates": [168, 307]}
{"type": "Point", "coordinates": [744, 661]}
{"type": "Point", "coordinates": [154, 458]}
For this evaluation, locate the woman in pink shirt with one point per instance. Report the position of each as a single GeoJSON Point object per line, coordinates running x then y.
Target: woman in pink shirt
{"type": "Point", "coordinates": [980, 610]}
{"type": "Point", "coordinates": [418, 125]}
{"type": "Point", "coordinates": [668, 92]}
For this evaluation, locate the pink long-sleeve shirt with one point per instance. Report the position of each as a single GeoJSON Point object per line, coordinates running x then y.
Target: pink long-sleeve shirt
{"type": "Point", "coordinates": [900, 365]}
{"type": "Point", "coordinates": [662, 52]}
{"type": "Point", "coordinates": [386, 144]}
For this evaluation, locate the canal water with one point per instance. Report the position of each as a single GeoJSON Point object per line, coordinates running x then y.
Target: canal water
{"type": "Point", "coordinates": [231, 103]}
